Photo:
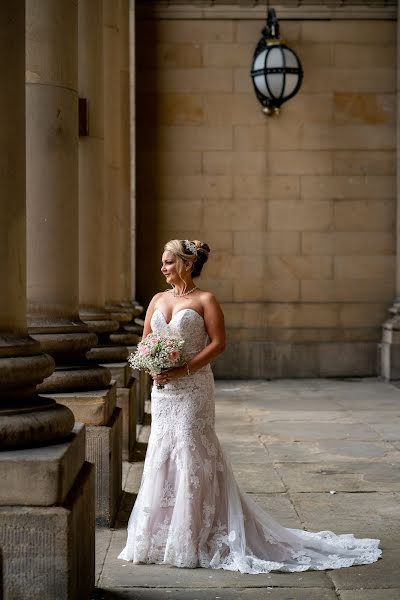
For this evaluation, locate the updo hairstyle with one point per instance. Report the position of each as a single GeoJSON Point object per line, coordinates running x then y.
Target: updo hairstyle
{"type": "Point", "coordinates": [186, 250]}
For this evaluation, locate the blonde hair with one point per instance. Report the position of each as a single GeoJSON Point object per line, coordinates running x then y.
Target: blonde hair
{"type": "Point", "coordinates": [189, 250]}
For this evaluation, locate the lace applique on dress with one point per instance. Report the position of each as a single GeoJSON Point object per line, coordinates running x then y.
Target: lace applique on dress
{"type": "Point", "coordinates": [199, 517]}
{"type": "Point", "coordinates": [168, 496]}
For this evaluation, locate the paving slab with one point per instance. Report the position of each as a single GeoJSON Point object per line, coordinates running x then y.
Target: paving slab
{"type": "Point", "coordinates": [321, 451]}
{"type": "Point", "coordinates": [384, 573]}
{"type": "Point", "coordinates": [263, 593]}
{"type": "Point", "coordinates": [280, 507]}
{"type": "Point", "coordinates": [118, 573]}
{"type": "Point", "coordinates": [345, 476]}
{"type": "Point", "coordinates": [377, 594]}
{"type": "Point", "coordinates": [372, 514]}
{"type": "Point", "coordinates": [255, 478]}
{"type": "Point", "coordinates": [286, 430]}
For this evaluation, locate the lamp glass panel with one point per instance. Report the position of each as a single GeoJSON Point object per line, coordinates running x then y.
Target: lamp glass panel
{"type": "Point", "coordinates": [259, 82]}
{"type": "Point", "coordinates": [276, 82]}
{"type": "Point", "coordinates": [290, 83]}
{"type": "Point", "coordinates": [291, 59]}
{"type": "Point", "coordinates": [275, 58]}
{"type": "Point", "coordinates": [259, 62]}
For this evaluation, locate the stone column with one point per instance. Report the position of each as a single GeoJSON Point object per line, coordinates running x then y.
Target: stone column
{"type": "Point", "coordinates": [39, 526]}
{"type": "Point", "coordinates": [53, 237]}
{"type": "Point", "coordinates": [390, 346]}
{"type": "Point", "coordinates": [116, 168]}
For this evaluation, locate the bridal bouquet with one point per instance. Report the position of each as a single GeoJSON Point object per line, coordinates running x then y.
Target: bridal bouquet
{"type": "Point", "coordinates": [156, 353]}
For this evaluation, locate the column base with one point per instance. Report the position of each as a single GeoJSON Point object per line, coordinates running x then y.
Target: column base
{"type": "Point", "coordinates": [103, 448]}
{"type": "Point", "coordinates": [126, 401]}
{"type": "Point", "coordinates": [94, 407]}
{"type": "Point", "coordinates": [389, 359]}
{"type": "Point", "coordinates": [48, 550]}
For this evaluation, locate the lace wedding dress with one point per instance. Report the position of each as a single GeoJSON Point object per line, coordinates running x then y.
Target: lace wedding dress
{"type": "Point", "coordinates": [190, 512]}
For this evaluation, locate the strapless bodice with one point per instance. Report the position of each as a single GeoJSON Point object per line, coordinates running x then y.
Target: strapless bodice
{"type": "Point", "coordinates": [188, 324]}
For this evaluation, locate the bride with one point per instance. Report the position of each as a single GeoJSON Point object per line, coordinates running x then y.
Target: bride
{"type": "Point", "coordinates": [189, 511]}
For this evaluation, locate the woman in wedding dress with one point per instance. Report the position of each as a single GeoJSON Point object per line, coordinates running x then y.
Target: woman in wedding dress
{"type": "Point", "coordinates": [189, 511]}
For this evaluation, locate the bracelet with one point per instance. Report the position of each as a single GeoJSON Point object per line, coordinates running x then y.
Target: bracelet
{"type": "Point", "coordinates": [187, 368]}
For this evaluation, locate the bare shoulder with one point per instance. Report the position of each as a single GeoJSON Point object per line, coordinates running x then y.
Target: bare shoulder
{"type": "Point", "coordinates": [208, 300]}
{"type": "Point", "coordinates": [154, 300]}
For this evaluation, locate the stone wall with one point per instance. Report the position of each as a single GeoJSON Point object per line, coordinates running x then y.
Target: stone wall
{"type": "Point", "coordinates": [299, 210]}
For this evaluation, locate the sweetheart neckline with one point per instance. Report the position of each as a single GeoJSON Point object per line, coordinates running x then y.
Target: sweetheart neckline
{"type": "Point", "coordinates": [177, 313]}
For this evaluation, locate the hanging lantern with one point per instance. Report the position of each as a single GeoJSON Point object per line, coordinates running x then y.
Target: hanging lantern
{"type": "Point", "coordinates": [276, 70]}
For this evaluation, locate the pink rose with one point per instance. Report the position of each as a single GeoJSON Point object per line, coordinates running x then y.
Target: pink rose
{"type": "Point", "coordinates": [168, 343]}
{"type": "Point", "coordinates": [174, 355]}
{"type": "Point", "coordinates": [144, 351]}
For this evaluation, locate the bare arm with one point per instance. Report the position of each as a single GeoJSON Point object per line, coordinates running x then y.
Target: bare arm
{"type": "Point", "coordinates": [214, 322]}
{"type": "Point", "coordinates": [149, 314]}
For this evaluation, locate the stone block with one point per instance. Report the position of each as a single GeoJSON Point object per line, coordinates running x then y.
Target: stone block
{"type": "Point", "coordinates": [333, 136]}
{"type": "Point", "coordinates": [263, 359]}
{"type": "Point", "coordinates": [217, 187]}
{"type": "Point", "coordinates": [245, 110]}
{"type": "Point", "coordinates": [294, 162]}
{"type": "Point", "coordinates": [262, 187]}
{"type": "Point", "coordinates": [92, 408]}
{"type": "Point", "coordinates": [217, 163]}
{"type": "Point", "coordinates": [347, 290]}
{"type": "Point", "coordinates": [364, 215]}
{"type": "Point", "coordinates": [249, 30]}
{"type": "Point", "coordinates": [300, 216]}
{"type": "Point", "coordinates": [126, 401]}
{"type": "Point", "coordinates": [318, 107]}
{"type": "Point", "coordinates": [192, 81]}
{"type": "Point", "coordinates": [120, 373]}
{"type": "Point", "coordinates": [176, 163]}
{"type": "Point", "coordinates": [180, 109]}
{"type": "Point", "coordinates": [360, 162]}
{"type": "Point", "coordinates": [346, 243]}
{"type": "Point", "coordinates": [241, 215]}
{"type": "Point", "coordinates": [48, 553]}
{"type": "Point", "coordinates": [191, 31]}
{"type": "Point", "coordinates": [260, 290]}
{"type": "Point", "coordinates": [364, 267]}
{"type": "Point", "coordinates": [298, 267]}
{"type": "Point", "coordinates": [171, 55]}
{"type": "Point", "coordinates": [176, 214]}
{"type": "Point", "coordinates": [42, 476]}
{"type": "Point", "coordinates": [216, 55]}
{"type": "Point", "coordinates": [218, 109]}
{"type": "Point", "coordinates": [362, 315]}
{"type": "Point", "coordinates": [316, 55]}
{"type": "Point", "coordinates": [249, 138]}
{"type": "Point", "coordinates": [104, 449]}
{"type": "Point", "coordinates": [261, 243]}
{"type": "Point", "coordinates": [242, 266]}
{"type": "Point", "coordinates": [194, 138]}
{"type": "Point", "coordinates": [344, 187]}
{"type": "Point", "coordinates": [221, 288]}
{"type": "Point", "coordinates": [356, 107]}
{"type": "Point", "coordinates": [285, 135]}
{"type": "Point", "coordinates": [364, 80]}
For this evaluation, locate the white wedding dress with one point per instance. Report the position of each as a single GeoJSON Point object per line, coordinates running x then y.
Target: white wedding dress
{"type": "Point", "coordinates": [190, 512]}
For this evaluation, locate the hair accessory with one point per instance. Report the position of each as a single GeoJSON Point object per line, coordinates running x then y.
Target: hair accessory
{"type": "Point", "coordinates": [189, 246]}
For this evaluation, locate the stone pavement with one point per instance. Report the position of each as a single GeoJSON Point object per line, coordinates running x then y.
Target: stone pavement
{"type": "Point", "coordinates": [292, 443]}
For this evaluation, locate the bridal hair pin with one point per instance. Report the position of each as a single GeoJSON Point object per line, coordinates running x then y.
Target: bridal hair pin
{"type": "Point", "coordinates": [189, 246]}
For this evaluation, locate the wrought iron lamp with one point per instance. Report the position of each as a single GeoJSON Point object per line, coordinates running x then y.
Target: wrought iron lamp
{"type": "Point", "coordinates": [276, 70]}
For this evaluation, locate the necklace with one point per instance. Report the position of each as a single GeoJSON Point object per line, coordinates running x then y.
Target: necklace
{"type": "Point", "coordinates": [185, 293]}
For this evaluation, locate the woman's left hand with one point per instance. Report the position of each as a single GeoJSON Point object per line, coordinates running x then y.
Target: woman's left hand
{"type": "Point", "coordinates": [169, 375]}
